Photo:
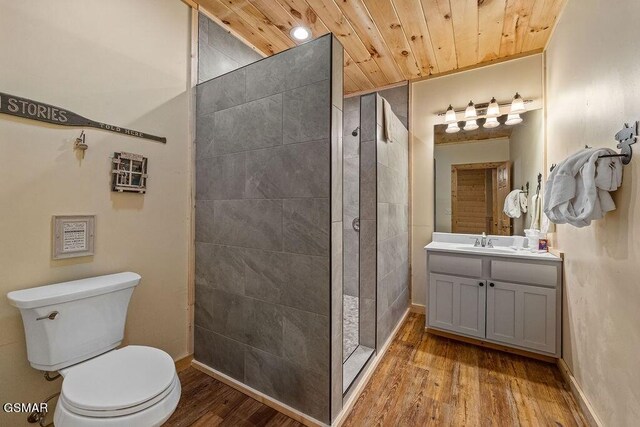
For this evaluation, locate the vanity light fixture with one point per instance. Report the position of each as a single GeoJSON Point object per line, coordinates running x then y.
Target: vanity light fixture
{"type": "Point", "coordinates": [517, 105]}
{"type": "Point", "coordinates": [450, 116]}
{"type": "Point", "coordinates": [513, 119]}
{"type": "Point", "coordinates": [493, 111]}
{"type": "Point", "coordinates": [492, 122]}
{"type": "Point", "coordinates": [470, 125]}
{"type": "Point", "coordinates": [300, 33]}
{"type": "Point", "coordinates": [490, 112]}
{"type": "Point", "coordinates": [452, 128]}
{"type": "Point", "coordinates": [470, 115]}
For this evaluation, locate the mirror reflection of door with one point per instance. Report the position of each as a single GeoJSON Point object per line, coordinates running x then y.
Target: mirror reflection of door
{"type": "Point", "coordinates": [478, 191]}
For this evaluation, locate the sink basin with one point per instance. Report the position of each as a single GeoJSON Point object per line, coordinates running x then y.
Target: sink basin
{"type": "Point", "coordinates": [499, 250]}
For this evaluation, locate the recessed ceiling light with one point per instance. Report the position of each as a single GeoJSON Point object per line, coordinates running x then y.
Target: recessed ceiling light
{"type": "Point", "coordinates": [300, 33]}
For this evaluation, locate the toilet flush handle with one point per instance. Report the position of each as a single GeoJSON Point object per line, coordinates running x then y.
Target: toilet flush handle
{"type": "Point", "coordinates": [50, 316]}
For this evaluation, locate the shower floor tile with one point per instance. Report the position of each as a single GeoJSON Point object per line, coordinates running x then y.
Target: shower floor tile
{"type": "Point", "coordinates": [350, 319]}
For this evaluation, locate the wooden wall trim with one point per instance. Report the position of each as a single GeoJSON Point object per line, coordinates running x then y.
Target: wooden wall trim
{"type": "Point", "coordinates": [191, 275]}
{"type": "Point", "coordinates": [578, 394]}
{"type": "Point", "coordinates": [479, 65]}
{"type": "Point", "coordinates": [379, 89]}
{"type": "Point", "coordinates": [418, 309]}
{"type": "Point", "coordinates": [191, 3]}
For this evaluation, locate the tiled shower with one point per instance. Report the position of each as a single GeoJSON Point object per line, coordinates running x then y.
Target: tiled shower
{"type": "Point", "coordinates": [269, 228]}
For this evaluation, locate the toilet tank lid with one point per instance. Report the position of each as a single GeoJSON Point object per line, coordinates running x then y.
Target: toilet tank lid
{"type": "Point", "coordinates": [69, 291]}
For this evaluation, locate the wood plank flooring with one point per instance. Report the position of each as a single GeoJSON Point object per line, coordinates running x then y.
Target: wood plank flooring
{"type": "Point", "coordinates": [207, 402]}
{"type": "Point", "coordinates": [423, 380]}
{"type": "Point", "coordinates": [429, 380]}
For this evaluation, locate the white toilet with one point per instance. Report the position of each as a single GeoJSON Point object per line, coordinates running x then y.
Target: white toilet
{"type": "Point", "coordinates": [73, 328]}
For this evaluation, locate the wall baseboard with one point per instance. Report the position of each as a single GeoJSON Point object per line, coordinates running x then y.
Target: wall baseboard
{"type": "Point", "coordinates": [578, 394]}
{"type": "Point", "coordinates": [257, 395]}
{"type": "Point", "coordinates": [183, 363]}
{"type": "Point", "coordinates": [418, 308]}
{"type": "Point", "coordinates": [350, 403]}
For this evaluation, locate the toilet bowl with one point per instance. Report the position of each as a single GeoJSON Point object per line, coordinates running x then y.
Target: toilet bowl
{"type": "Point", "coordinates": [75, 328]}
{"type": "Point", "coordinates": [134, 385]}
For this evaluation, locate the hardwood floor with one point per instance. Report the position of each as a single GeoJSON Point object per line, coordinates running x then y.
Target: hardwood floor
{"type": "Point", "coordinates": [208, 402]}
{"type": "Point", "coordinates": [429, 380]}
{"type": "Point", "coordinates": [422, 380]}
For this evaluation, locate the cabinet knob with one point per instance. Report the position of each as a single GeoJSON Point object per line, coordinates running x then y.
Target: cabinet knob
{"type": "Point", "coordinates": [492, 284]}
{"type": "Point", "coordinates": [481, 284]}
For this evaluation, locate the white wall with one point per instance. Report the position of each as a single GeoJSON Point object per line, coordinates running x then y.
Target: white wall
{"type": "Point", "coordinates": [431, 96]}
{"type": "Point", "coordinates": [490, 150]}
{"type": "Point", "coordinates": [121, 62]}
{"type": "Point", "coordinates": [527, 157]}
{"type": "Point", "coordinates": [593, 87]}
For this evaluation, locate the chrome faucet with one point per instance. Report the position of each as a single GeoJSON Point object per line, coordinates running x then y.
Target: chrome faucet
{"type": "Point", "coordinates": [483, 242]}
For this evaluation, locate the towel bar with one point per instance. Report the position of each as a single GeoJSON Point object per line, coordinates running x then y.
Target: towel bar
{"type": "Point", "coordinates": [626, 136]}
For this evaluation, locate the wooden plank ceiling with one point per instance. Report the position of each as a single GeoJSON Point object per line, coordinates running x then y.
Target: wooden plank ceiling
{"type": "Point", "coordinates": [389, 41]}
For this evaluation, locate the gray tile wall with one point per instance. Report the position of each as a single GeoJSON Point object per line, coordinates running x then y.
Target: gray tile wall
{"type": "Point", "coordinates": [351, 195]}
{"type": "Point", "coordinates": [219, 52]}
{"type": "Point", "coordinates": [360, 200]}
{"type": "Point", "coordinates": [368, 220]}
{"type": "Point", "coordinates": [392, 227]}
{"type": "Point", "coordinates": [266, 153]}
{"type": "Point", "coordinates": [398, 97]}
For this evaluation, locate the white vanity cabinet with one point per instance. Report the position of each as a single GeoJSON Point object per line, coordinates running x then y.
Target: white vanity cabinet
{"type": "Point", "coordinates": [503, 300]}
{"type": "Point", "coordinates": [458, 304]}
{"type": "Point", "coordinates": [522, 315]}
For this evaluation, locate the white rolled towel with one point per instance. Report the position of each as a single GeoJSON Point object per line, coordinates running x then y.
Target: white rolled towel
{"type": "Point", "coordinates": [577, 191]}
{"type": "Point", "coordinates": [515, 204]}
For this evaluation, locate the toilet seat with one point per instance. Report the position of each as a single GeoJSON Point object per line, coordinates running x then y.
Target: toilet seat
{"type": "Point", "coordinates": [109, 413]}
{"type": "Point", "coordinates": [120, 383]}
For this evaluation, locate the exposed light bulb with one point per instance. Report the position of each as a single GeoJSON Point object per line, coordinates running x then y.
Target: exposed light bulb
{"type": "Point", "coordinates": [513, 119]}
{"type": "Point", "coordinates": [300, 33]}
{"type": "Point", "coordinates": [450, 117]}
{"type": "Point", "coordinates": [517, 105]}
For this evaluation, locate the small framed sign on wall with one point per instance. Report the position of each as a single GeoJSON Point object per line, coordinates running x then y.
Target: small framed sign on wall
{"type": "Point", "coordinates": [73, 236]}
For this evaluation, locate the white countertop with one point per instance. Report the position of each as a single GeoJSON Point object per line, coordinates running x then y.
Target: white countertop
{"type": "Point", "coordinates": [497, 251]}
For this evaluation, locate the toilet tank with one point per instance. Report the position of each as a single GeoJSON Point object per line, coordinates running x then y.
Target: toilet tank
{"type": "Point", "coordinates": [67, 323]}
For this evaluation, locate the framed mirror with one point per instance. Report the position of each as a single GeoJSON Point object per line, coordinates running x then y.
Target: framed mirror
{"type": "Point", "coordinates": [486, 180]}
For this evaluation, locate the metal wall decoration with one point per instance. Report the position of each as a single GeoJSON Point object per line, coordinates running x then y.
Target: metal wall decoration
{"type": "Point", "coordinates": [73, 236]}
{"type": "Point", "coordinates": [81, 144]}
{"type": "Point", "coordinates": [34, 110]}
{"type": "Point", "coordinates": [129, 173]}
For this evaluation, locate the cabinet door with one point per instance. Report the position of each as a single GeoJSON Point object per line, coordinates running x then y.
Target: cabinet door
{"type": "Point", "coordinates": [457, 304]}
{"type": "Point", "coordinates": [522, 315]}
